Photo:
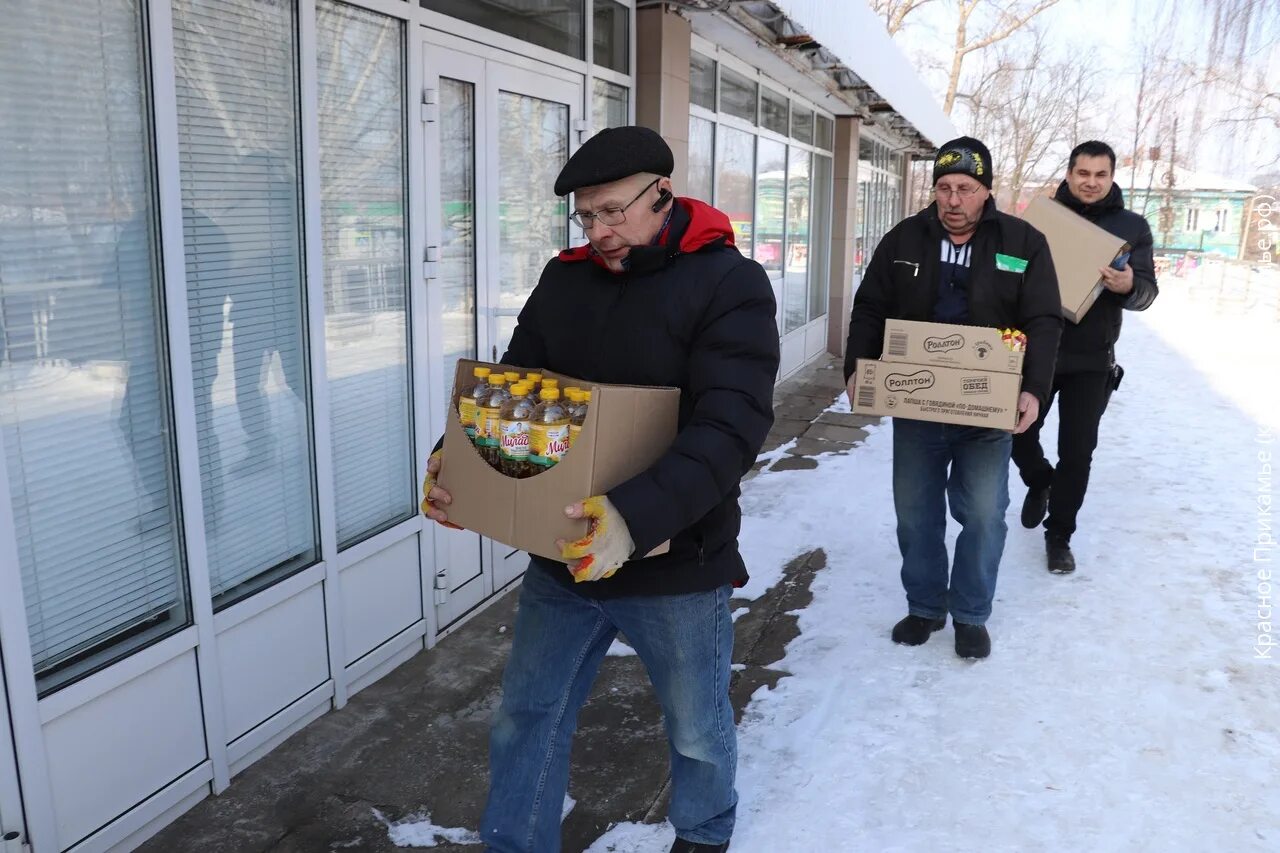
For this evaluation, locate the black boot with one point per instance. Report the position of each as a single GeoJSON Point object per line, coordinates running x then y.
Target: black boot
{"type": "Point", "coordinates": [1058, 551]}
{"type": "Point", "coordinates": [972, 641]}
{"type": "Point", "coordinates": [915, 630]}
{"type": "Point", "coordinates": [1034, 507]}
{"type": "Point", "coordinates": [682, 846]}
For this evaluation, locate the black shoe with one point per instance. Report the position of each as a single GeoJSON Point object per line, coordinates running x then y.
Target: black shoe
{"type": "Point", "coordinates": [972, 641]}
{"type": "Point", "coordinates": [1058, 551]}
{"type": "Point", "coordinates": [915, 630]}
{"type": "Point", "coordinates": [682, 846]}
{"type": "Point", "coordinates": [1034, 507]}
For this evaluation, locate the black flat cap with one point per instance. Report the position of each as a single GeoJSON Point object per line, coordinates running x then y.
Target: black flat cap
{"type": "Point", "coordinates": [613, 154]}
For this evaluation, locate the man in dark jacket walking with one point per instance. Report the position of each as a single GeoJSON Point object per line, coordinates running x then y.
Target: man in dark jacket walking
{"type": "Point", "coordinates": [1087, 372]}
{"type": "Point", "coordinates": [957, 261]}
{"type": "Point", "coordinates": [660, 297]}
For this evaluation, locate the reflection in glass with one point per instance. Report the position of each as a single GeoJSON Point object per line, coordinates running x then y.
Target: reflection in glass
{"type": "Point", "coordinates": [773, 110]}
{"type": "Point", "coordinates": [612, 41]}
{"type": "Point", "coordinates": [702, 139]}
{"type": "Point", "coordinates": [238, 155]}
{"type": "Point", "coordinates": [84, 407]}
{"type": "Point", "coordinates": [820, 255]}
{"type": "Point", "coordinates": [771, 209]}
{"type": "Point", "coordinates": [362, 218]}
{"type": "Point", "coordinates": [457, 266]}
{"type": "Point", "coordinates": [737, 95]}
{"type": "Point", "coordinates": [554, 24]}
{"type": "Point", "coordinates": [796, 278]}
{"type": "Point", "coordinates": [533, 223]}
{"type": "Point", "coordinates": [825, 133]}
{"type": "Point", "coordinates": [608, 105]}
{"type": "Point", "coordinates": [735, 185]}
{"type": "Point", "coordinates": [802, 123]}
{"type": "Point", "coordinates": [702, 81]}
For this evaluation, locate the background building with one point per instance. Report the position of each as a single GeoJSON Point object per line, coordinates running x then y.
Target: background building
{"type": "Point", "coordinates": [1200, 212]}
{"type": "Point", "coordinates": [242, 245]}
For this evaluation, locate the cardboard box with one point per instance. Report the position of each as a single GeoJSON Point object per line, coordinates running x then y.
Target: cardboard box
{"type": "Point", "coordinates": [949, 345]}
{"type": "Point", "coordinates": [948, 395]}
{"type": "Point", "coordinates": [627, 429]}
{"type": "Point", "coordinates": [1079, 248]}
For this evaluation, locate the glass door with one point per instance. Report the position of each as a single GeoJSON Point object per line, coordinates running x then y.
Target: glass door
{"type": "Point", "coordinates": [496, 137]}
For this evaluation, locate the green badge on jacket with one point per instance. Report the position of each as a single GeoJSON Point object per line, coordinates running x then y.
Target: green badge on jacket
{"type": "Point", "coordinates": [1008, 263]}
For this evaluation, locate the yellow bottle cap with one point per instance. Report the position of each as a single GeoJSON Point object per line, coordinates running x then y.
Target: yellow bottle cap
{"type": "Point", "coordinates": [512, 376]}
{"type": "Point", "coordinates": [480, 372]}
{"type": "Point", "coordinates": [533, 377]}
{"type": "Point", "coordinates": [521, 389]}
{"type": "Point", "coordinates": [550, 393]}
{"type": "Point", "coordinates": [586, 396]}
{"type": "Point", "coordinates": [551, 383]}
{"type": "Point", "coordinates": [497, 379]}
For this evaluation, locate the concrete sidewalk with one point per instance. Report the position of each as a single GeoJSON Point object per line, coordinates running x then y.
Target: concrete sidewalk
{"type": "Point", "coordinates": [417, 740]}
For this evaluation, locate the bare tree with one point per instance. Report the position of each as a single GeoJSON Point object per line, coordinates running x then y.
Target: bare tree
{"type": "Point", "coordinates": [895, 12]}
{"type": "Point", "coordinates": [1008, 20]}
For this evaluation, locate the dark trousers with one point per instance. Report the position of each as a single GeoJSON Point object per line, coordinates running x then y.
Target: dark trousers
{"type": "Point", "coordinates": [1082, 398]}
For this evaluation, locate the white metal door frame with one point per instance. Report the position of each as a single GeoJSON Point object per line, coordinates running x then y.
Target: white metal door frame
{"type": "Point", "coordinates": [12, 828]}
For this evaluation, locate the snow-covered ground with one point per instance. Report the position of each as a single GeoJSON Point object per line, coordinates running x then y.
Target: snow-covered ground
{"type": "Point", "coordinates": [1125, 707]}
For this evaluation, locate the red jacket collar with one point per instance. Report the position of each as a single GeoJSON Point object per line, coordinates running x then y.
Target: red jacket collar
{"type": "Point", "coordinates": [706, 226]}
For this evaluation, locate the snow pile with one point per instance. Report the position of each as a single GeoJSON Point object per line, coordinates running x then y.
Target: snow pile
{"type": "Point", "coordinates": [418, 831]}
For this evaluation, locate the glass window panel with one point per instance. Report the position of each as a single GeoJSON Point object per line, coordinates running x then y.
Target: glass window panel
{"type": "Point", "coordinates": [533, 222]}
{"type": "Point", "coordinates": [802, 123]}
{"type": "Point", "coordinates": [457, 270]}
{"type": "Point", "coordinates": [820, 254]}
{"type": "Point", "coordinates": [771, 210]}
{"type": "Point", "coordinates": [83, 387]}
{"type": "Point", "coordinates": [702, 138]}
{"type": "Point", "coordinates": [795, 293]}
{"type": "Point", "coordinates": [554, 24]}
{"type": "Point", "coordinates": [773, 111]}
{"type": "Point", "coordinates": [608, 105]}
{"type": "Point", "coordinates": [735, 182]}
{"type": "Point", "coordinates": [866, 150]}
{"type": "Point", "coordinates": [612, 40]}
{"type": "Point", "coordinates": [362, 215]}
{"type": "Point", "coordinates": [737, 95]}
{"type": "Point", "coordinates": [702, 80]}
{"type": "Point", "coordinates": [825, 133]}
{"type": "Point", "coordinates": [236, 66]}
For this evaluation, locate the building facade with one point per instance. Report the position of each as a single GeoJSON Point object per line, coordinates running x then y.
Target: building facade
{"type": "Point", "coordinates": [1200, 212]}
{"type": "Point", "coordinates": [242, 245]}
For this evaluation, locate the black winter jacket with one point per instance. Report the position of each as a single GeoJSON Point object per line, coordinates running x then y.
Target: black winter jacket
{"type": "Point", "coordinates": [1090, 344]}
{"type": "Point", "coordinates": [691, 313]}
{"type": "Point", "coordinates": [901, 283]}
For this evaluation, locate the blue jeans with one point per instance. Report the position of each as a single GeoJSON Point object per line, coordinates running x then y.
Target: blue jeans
{"type": "Point", "coordinates": [977, 488]}
{"type": "Point", "coordinates": [685, 643]}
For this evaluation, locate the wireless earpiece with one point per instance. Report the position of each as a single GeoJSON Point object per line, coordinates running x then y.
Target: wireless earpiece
{"type": "Point", "coordinates": [663, 197]}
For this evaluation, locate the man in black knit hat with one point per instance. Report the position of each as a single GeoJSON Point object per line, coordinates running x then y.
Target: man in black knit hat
{"type": "Point", "coordinates": [659, 296]}
{"type": "Point", "coordinates": [957, 261]}
{"type": "Point", "coordinates": [1086, 371]}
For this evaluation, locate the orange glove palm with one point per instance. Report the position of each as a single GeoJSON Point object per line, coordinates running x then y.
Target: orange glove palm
{"type": "Point", "coordinates": [606, 546]}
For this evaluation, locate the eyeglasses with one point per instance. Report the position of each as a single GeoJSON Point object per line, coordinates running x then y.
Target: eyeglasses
{"type": "Point", "coordinates": [960, 192]}
{"type": "Point", "coordinates": [609, 215]}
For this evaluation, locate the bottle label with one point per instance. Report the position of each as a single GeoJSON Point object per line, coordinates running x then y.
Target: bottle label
{"type": "Point", "coordinates": [574, 431]}
{"type": "Point", "coordinates": [548, 443]}
{"type": "Point", "coordinates": [467, 414]}
{"type": "Point", "coordinates": [486, 427]}
{"type": "Point", "coordinates": [515, 440]}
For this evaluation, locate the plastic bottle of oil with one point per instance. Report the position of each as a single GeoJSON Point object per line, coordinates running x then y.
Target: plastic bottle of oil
{"type": "Point", "coordinates": [513, 428]}
{"type": "Point", "coordinates": [577, 414]}
{"type": "Point", "coordinates": [513, 376]}
{"type": "Point", "coordinates": [549, 431]}
{"type": "Point", "coordinates": [535, 383]}
{"type": "Point", "coordinates": [467, 399]}
{"type": "Point", "coordinates": [488, 416]}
